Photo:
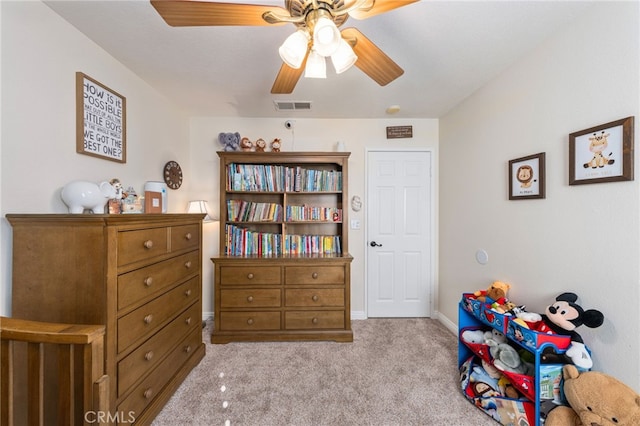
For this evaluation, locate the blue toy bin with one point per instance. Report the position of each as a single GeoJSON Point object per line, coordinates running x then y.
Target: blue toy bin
{"type": "Point", "coordinates": [535, 339]}
{"type": "Point", "coordinates": [484, 313]}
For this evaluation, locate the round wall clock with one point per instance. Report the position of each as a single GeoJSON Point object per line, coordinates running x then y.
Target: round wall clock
{"type": "Point", "coordinates": [173, 175]}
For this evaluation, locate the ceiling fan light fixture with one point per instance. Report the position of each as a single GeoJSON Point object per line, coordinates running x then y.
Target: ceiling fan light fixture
{"type": "Point", "coordinates": [326, 37]}
{"type": "Point", "coordinates": [294, 48]}
{"type": "Point", "coordinates": [316, 66]}
{"type": "Point", "coordinates": [343, 58]}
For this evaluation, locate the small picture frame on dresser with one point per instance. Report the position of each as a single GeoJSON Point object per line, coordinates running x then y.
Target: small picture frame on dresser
{"type": "Point", "coordinates": [152, 202]}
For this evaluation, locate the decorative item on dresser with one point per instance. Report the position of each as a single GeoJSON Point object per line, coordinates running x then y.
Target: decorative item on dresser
{"type": "Point", "coordinates": [138, 275]}
{"type": "Point", "coordinates": [284, 269]}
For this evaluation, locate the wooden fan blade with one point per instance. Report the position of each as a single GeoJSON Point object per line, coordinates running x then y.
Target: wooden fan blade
{"type": "Point", "coordinates": [286, 79]}
{"type": "Point", "coordinates": [371, 60]}
{"type": "Point", "coordinates": [379, 6]}
{"type": "Point", "coordinates": [189, 13]}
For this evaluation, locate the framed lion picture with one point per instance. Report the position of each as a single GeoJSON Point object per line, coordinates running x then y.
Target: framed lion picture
{"type": "Point", "coordinates": [526, 177]}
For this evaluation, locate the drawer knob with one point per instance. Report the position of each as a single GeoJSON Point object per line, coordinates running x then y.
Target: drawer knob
{"type": "Point", "coordinates": [148, 244]}
{"type": "Point", "coordinates": [188, 236]}
{"type": "Point", "coordinates": [148, 281]}
{"type": "Point", "coordinates": [148, 393]}
{"type": "Point", "coordinates": [148, 319]}
{"type": "Point", "coordinates": [314, 320]}
{"type": "Point", "coordinates": [250, 321]}
{"type": "Point", "coordinates": [250, 275]}
{"type": "Point", "coordinates": [187, 264]}
{"type": "Point", "coordinates": [187, 321]}
{"type": "Point", "coordinates": [314, 275]}
{"type": "Point", "coordinates": [250, 299]}
{"type": "Point", "coordinates": [187, 293]}
{"type": "Point", "coordinates": [315, 298]}
{"type": "Point", "coordinates": [187, 349]}
{"type": "Point", "coordinates": [148, 356]}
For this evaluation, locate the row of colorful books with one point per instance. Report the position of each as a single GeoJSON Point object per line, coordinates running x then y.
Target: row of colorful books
{"type": "Point", "coordinates": [278, 178]}
{"type": "Point", "coordinates": [244, 242]}
{"type": "Point", "coordinates": [250, 211]}
{"type": "Point", "coordinates": [311, 213]}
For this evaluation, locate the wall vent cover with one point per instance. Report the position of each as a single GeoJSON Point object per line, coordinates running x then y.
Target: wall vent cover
{"type": "Point", "coordinates": [292, 105]}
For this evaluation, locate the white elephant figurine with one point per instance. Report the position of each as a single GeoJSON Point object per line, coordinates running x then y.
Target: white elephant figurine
{"type": "Point", "coordinates": [80, 195]}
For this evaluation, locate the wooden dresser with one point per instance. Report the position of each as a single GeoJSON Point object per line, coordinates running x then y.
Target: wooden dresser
{"type": "Point", "coordinates": [282, 299]}
{"type": "Point", "coordinates": [139, 275]}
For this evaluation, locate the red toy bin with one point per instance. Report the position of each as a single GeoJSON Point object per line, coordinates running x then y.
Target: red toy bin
{"type": "Point", "coordinates": [525, 384]}
{"type": "Point", "coordinates": [534, 339]}
{"type": "Point", "coordinates": [480, 349]}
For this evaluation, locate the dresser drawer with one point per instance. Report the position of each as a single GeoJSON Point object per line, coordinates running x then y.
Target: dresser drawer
{"type": "Point", "coordinates": [151, 352]}
{"type": "Point", "coordinates": [141, 283]}
{"type": "Point", "coordinates": [145, 320]}
{"type": "Point", "coordinates": [250, 298]}
{"type": "Point", "coordinates": [184, 237]}
{"type": "Point", "coordinates": [314, 275]}
{"type": "Point", "coordinates": [141, 244]}
{"type": "Point", "coordinates": [304, 320]}
{"type": "Point", "coordinates": [251, 275]}
{"type": "Point", "coordinates": [314, 297]}
{"type": "Point", "coordinates": [144, 393]}
{"type": "Point", "coordinates": [249, 321]}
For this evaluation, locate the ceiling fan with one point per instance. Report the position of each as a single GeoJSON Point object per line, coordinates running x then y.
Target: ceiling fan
{"type": "Point", "coordinates": [316, 38]}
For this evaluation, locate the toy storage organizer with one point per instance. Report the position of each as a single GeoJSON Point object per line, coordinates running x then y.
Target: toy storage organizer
{"type": "Point", "coordinates": [540, 392]}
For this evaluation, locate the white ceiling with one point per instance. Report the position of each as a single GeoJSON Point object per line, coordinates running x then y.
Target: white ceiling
{"type": "Point", "coordinates": [448, 50]}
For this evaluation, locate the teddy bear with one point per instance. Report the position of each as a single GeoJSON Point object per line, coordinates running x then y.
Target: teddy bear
{"type": "Point", "coordinates": [246, 145]}
{"type": "Point", "coordinates": [595, 398]}
{"type": "Point", "coordinates": [230, 141]}
{"type": "Point", "coordinates": [497, 292]}
{"type": "Point", "coordinates": [563, 317]}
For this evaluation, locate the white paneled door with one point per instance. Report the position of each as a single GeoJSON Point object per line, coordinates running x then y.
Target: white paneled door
{"type": "Point", "coordinates": [399, 240]}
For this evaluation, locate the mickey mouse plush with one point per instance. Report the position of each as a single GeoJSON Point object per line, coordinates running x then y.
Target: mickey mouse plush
{"type": "Point", "coordinates": [563, 317]}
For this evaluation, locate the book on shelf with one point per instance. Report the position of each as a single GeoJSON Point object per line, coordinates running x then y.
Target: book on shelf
{"type": "Point", "coordinates": [277, 178]}
{"type": "Point", "coordinates": [244, 242]}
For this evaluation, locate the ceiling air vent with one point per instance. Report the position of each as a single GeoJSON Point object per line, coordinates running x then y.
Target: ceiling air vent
{"type": "Point", "coordinates": [292, 105]}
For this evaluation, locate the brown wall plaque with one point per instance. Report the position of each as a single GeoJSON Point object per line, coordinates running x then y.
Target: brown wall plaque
{"type": "Point", "coordinates": [398, 132]}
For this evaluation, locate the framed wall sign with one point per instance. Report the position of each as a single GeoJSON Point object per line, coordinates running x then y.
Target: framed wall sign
{"type": "Point", "coordinates": [527, 177]}
{"type": "Point", "coordinates": [101, 120]}
{"type": "Point", "coordinates": [602, 153]}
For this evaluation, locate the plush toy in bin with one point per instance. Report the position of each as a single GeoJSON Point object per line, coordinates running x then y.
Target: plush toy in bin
{"type": "Point", "coordinates": [497, 292]}
{"type": "Point", "coordinates": [595, 399]}
{"type": "Point", "coordinates": [563, 317]}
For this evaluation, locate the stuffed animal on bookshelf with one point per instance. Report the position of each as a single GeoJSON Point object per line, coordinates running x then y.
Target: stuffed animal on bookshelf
{"type": "Point", "coordinates": [260, 145]}
{"type": "Point", "coordinates": [230, 141]}
{"type": "Point", "coordinates": [275, 145]}
{"type": "Point", "coordinates": [246, 145]}
{"type": "Point", "coordinates": [563, 317]}
{"type": "Point", "coordinates": [595, 398]}
{"type": "Point", "coordinates": [506, 358]}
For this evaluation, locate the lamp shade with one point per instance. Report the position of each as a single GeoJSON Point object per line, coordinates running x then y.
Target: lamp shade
{"type": "Point", "coordinates": [294, 48]}
{"type": "Point", "coordinates": [316, 66]}
{"type": "Point", "coordinates": [200, 206]}
{"type": "Point", "coordinates": [344, 57]}
{"type": "Point", "coordinates": [326, 37]}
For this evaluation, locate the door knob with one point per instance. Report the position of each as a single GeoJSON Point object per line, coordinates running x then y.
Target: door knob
{"type": "Point", "coordinates": [374, 244]}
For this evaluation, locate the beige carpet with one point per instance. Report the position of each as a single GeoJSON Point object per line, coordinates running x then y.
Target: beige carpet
{"type": "Point", "coordinates": [396, 372]}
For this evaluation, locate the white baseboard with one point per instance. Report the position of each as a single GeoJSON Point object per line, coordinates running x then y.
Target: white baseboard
{"type": "Point", "coordinates": [206, 315]}
{"type": "Point", "coordinates": [450, 325]}
{"type": "Point", "coordinates": [358, 315]}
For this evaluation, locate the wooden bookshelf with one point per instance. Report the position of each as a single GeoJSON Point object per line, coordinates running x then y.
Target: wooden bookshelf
{"type": "Point", "coordinates": [284, 267]}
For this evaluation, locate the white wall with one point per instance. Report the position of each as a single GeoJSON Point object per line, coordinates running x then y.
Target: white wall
{"type": "Point", "coordinates": [307, 135]}
{"type": "Point", "coordinates": [580, 238]}
{"type": "Point", "coordinates": [40, 56]}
